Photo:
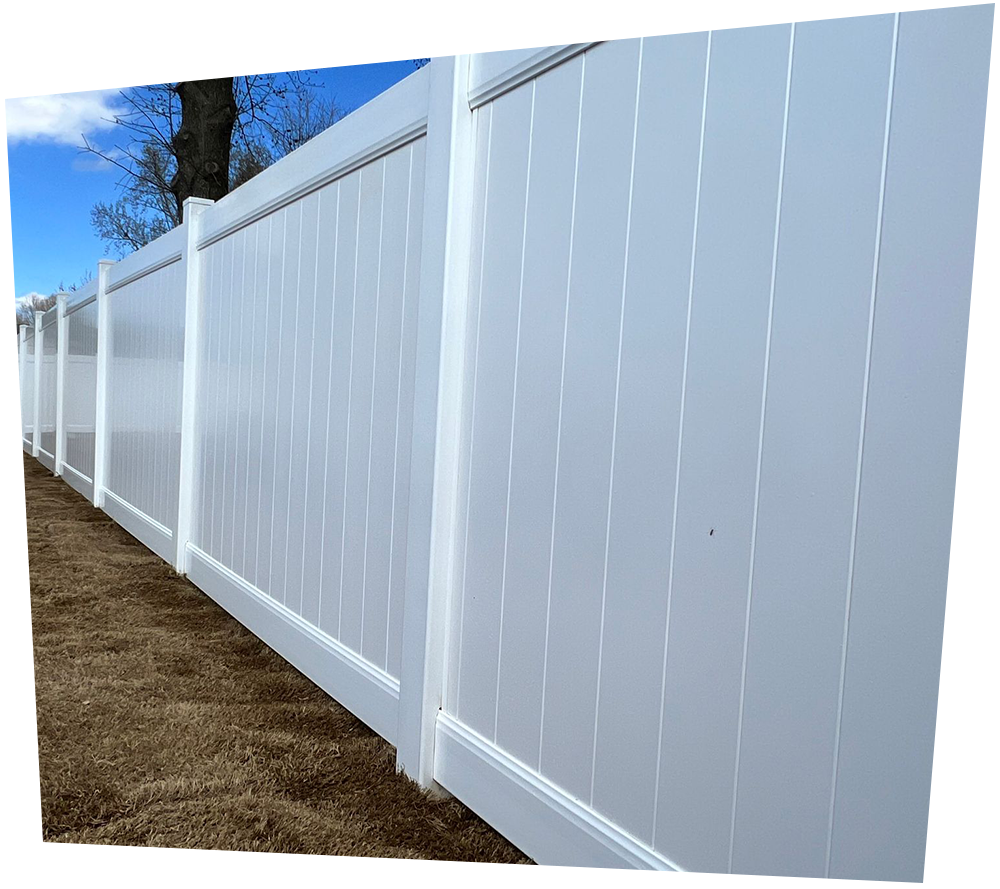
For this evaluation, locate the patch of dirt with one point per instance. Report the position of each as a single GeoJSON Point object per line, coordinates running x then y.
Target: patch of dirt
{"type": "Point", "coordinates": [162, 721]}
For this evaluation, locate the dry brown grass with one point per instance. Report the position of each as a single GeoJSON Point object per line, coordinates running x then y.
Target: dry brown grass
{"type": "Point", "coordinates": [164, 722]}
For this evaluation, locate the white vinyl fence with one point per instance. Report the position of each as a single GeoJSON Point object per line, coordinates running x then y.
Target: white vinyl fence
{"type": "Point", "coordinates": [584, 419]}
{"type": "Point", "coordinates": [143, 358]}
{"type": "Point", "coordinates": [26, 368]}
{"type": "Point", "coordinates": [47, 351]}
{"type": "Point", "coordinates": [80, 390]}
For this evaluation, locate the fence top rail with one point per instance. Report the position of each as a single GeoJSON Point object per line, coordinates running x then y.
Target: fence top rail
{"type": "Point", "coordinates": [165, 250]}
{"type": "Point", "coordinates": [390, 120]}
{"type": "Point", "coordinates": [81, 303]}
{"type": "Point", "coordinates": [82, 297]}
{"type": "Point", "coordinates": [49, 317]}
{"type": "Point", "coordinates": [491, 74]}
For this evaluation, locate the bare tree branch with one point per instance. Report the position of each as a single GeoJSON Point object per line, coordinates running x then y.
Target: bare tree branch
{"type": "Point", "coordinates": [275, 114]}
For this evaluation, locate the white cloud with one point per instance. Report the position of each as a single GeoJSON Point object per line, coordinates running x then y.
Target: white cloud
{"type": "Point", "coordinates": [63, 118]}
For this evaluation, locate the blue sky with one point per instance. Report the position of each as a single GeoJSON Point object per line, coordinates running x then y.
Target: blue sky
{"type": "Point", "coordinates": [53, 185]}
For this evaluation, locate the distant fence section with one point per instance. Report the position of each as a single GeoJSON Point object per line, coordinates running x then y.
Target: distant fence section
{"type": "Point", "coordinates": [26, 368]}
{"type": "Point", "coordinates": [47, 383]}
{"type": "Point", "coordinates": [80, 390]}
{"type": "Point", "coordinates": [585, 419]}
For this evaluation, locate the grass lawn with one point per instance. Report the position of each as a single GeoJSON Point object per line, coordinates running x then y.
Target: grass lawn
{"type": "Point", "coordinates": [164, 722]}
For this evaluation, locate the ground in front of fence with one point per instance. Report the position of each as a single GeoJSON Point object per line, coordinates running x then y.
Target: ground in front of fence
{"type": "Point", "coordinates": [164, 722]}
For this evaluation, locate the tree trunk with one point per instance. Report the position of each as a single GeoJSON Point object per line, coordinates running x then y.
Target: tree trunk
{"type": "Point", "coordinates": [201, 145]}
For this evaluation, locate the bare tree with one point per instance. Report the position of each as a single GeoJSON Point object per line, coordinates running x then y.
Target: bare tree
{"type": "Point", "coordinates": [26, 306]}
{"type": "Point", "coordinates": [85, 279]}
{"type": "Point", "coordinates": [200, 138]}
{"type": "Point", "coordinates": [202, 143]}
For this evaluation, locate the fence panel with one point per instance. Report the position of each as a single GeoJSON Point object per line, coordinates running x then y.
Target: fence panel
{"type": "Point", "coordinates": [680, 300]}
{"type": "Point", "coordinates": [28, 389]}
{"type": "Point", "coordinates": [80, 391]}
{"type": "Point", "coordinates": [47, 404]}
{"type": "Point", "coordinates": [145, 346]}
{"type": "Point", "coordinates": [306, 355]}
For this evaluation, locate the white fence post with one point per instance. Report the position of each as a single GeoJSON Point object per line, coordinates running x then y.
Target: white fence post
{"type": "Point", "coordinates": [441, 334]}
{"type": "Point", "coordinates": [101, 402]}
{"type": "Point", "coordinates": [61, 346]}
{"type": "Point", "coordinates": [36, 425]}
{"type": "Point", "coordinates": [193, 208]}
